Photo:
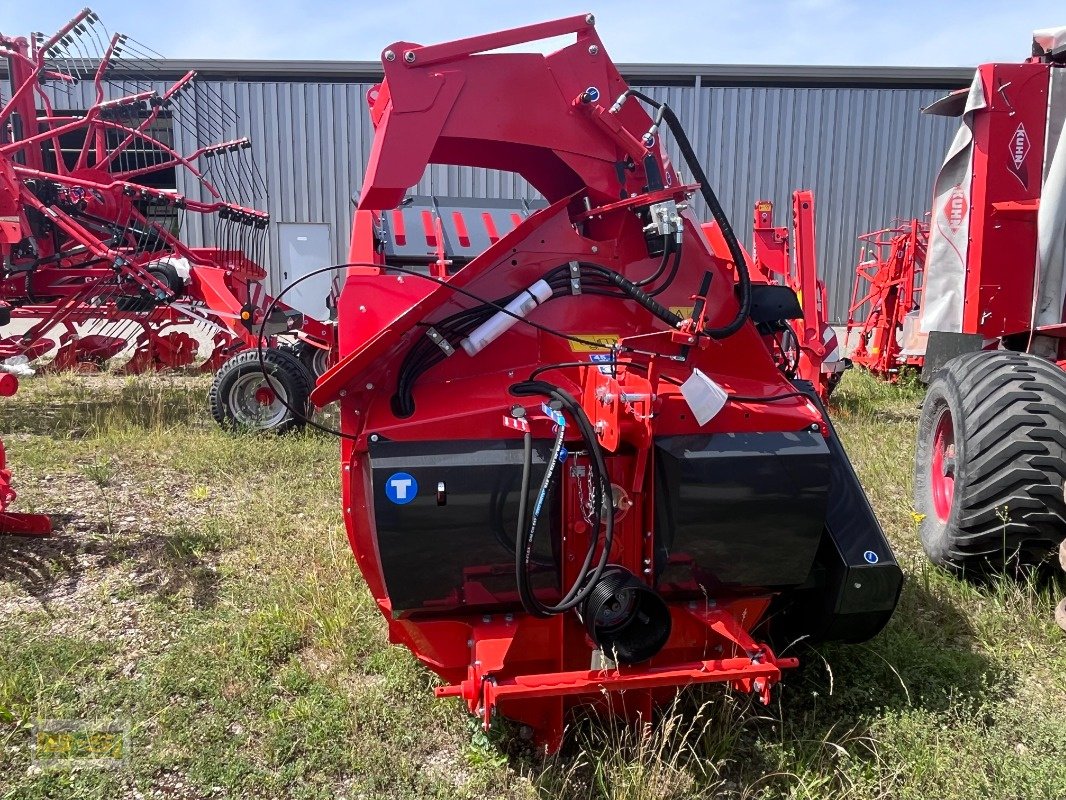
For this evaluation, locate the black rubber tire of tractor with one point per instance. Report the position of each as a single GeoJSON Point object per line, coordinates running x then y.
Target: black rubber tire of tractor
{"type": "Point", "coordinates": [314, 358]}
{"type": "Point", "coordinates": [284, 369]}
{"type": "Point", "coordinates": [1007, 508]}
{"type": "Point", "coordinates": [165, 273]}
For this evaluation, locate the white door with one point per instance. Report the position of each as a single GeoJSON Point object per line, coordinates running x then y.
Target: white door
{"type": "Point", "coordinates": [305, 247]}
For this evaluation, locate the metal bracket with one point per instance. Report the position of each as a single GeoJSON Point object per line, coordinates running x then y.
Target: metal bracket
{"type": "Point", "coordinates": [440, 341]}
{"type": "Point", "coordinates": [575, 278]}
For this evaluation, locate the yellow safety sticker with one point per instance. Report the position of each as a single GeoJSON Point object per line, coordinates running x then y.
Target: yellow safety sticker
{"type": "Point", "coordinates": [685, 312]}
{"type": "Point", "coordinates": [606, 340]}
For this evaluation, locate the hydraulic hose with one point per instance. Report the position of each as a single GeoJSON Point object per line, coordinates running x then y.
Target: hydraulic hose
{"type": "Point", "coordinates": [587, 574]}
{"type": "Point", "coordinates": [666, 114]}
{"type": "Point", "coordinates": [719, 215]}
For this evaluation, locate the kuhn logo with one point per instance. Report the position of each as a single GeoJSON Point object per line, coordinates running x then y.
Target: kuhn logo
{"type": "Point", "coordinates": [1019, 149]}
{"type": "Point", "coordinates": [955, 208]}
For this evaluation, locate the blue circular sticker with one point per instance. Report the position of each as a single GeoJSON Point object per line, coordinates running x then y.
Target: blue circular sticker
{"type": "Point", "coordinates": [593, 94]}
{"type": "Point", "coordinates": [401, 488]}
{"type": "Point", "coordinates": [871, 557]}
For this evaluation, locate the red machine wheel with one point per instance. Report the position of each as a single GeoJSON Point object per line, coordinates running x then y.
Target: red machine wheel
{"type": "Point", "coordinates": [942, 465]}
{"type": "Point", "coordinates": [991, 462]}
{"type": "Point", "coordinates": [241, 398]}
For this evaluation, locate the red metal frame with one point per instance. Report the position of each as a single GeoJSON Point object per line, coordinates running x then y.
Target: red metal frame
{"type": "Point", "coordinates": [535, 115]}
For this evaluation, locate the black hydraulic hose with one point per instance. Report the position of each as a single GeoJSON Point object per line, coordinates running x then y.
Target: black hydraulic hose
{"type": "Point", "coordinates": [585, 580]}
{"type": "Point", "coordinates": [666, 114]}
{"type": "Point", "coordinates": [642, 297]}
{"type": "Point", "coordinates": [719, 215]}
{"type": "Point", "coordinates": [670, 278]}
{"type": "Point", "coordinates": [668, 247]}
{"type": "Point", "coordinates": [615, 279]}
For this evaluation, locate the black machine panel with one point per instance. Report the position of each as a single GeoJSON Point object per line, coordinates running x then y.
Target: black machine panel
{"type": "Point", "coordinates": [446, 514]}
{"type": "Point", "coordinates": [739, 512]}
{"type": "Point", "coordinates": [855, 584]}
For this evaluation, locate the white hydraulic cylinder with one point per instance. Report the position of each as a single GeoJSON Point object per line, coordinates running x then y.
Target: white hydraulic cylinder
{"type": "Point", "coordinates": [500, 322]}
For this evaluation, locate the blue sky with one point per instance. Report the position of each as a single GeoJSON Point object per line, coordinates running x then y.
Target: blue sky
{"type": "Point", "coordinates": [908, 32]}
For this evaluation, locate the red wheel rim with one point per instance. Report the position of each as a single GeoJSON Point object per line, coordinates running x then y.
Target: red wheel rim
{"type": "Point", "coordinates": [264, 395]}
{"type": "Point", "coordinates": [942, 465]}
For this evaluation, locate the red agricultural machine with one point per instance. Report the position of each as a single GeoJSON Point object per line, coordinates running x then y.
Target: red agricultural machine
{"type": "Point", "coordinates": [806, 345]}
{"type": "Point", "coordinates": [93, 146]}
{"type": "Point", "coordinates": [978, 303]}
{"type": "Point", "coordinates": [887, 292]}
{"type": "Point", "coordinates": [573, 473]}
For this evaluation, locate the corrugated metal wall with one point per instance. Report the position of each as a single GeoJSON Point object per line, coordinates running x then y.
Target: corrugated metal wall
{"type": "Point", "coordinates": [868, 155]}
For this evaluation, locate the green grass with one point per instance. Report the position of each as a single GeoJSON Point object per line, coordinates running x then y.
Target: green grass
{"type": "Point", "coordinates": [201, 589]}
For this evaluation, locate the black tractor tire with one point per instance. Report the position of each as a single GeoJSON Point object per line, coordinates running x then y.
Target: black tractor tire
{"type": "Point", "coordinates": [165, 273]}
{"type": "Point", "coordinates": [314, 358]}
{"type": "Point", "coordinates": [994, 422]}
{"type": "Point", "coordinates": [239, 385]}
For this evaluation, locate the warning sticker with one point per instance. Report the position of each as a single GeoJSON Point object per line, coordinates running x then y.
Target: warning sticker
{"type": "Point", "coordinates": [685, 312]}
{"type": "Point", "coordinates": [607, 340]}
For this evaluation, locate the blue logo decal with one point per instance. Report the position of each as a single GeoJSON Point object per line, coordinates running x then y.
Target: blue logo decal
{"type": "Point", "coordinates": [871, 557]}
{"type": "Point", "coordinates": [593, 94]}
{"type": "Point", "coordinates": [401, 488]}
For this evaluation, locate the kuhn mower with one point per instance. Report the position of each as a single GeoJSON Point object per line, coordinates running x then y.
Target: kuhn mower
{"type": "Point", "coordinates": [573, 472]}
{"type": "Point", "coordinates": [991, 459]}
{"type": "Point", "coordinates": [89, 225]}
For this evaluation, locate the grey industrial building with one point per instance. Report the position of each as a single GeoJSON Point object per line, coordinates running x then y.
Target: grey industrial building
{"type": "Point", "coordinates": [854, 135]}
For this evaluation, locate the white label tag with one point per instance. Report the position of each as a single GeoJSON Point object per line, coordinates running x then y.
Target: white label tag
{"type": "Point", "coordinates": [704, 397]}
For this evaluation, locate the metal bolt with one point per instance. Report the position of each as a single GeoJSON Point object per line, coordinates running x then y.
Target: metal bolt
{"type": "Point", "coordinates": [590, 19]}
{"type": "Point", "coordinates": [409, 57]}
{"type": "Point", "coordinates": [758, 684]}
{"type": "Point", "coordinates": [595, 249]}
{"type": "Point", "coordinates": [344, 392]}
{"type": "Point", "coordinates": [362, 309]}
{"type": "Point", "coordinates": [593, 49]}
{"type": "Point", "coordinates": [374, 437]}
{"type": "Point", "coordinates": [508, 617]}
{"type": "Point", "coordinates": [486, 618]}
{"type": "Point", "coordinates": [390, 56]}
{"type": "Point", "coordinates": [370, 386]}
{"type": "Point", "coordinates": [469, 642]}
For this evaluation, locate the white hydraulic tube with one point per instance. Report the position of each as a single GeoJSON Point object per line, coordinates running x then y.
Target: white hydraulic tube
{"type": "Point", "coordinates": [500, 322]}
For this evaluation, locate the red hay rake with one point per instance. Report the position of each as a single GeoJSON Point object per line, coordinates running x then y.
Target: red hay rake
{"type": "Point", "coordinates": [102, 164]}
{"type": "Point", "coordinates": [886, 298]}
{"type": "Point", "coordinates": [90, 210]}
